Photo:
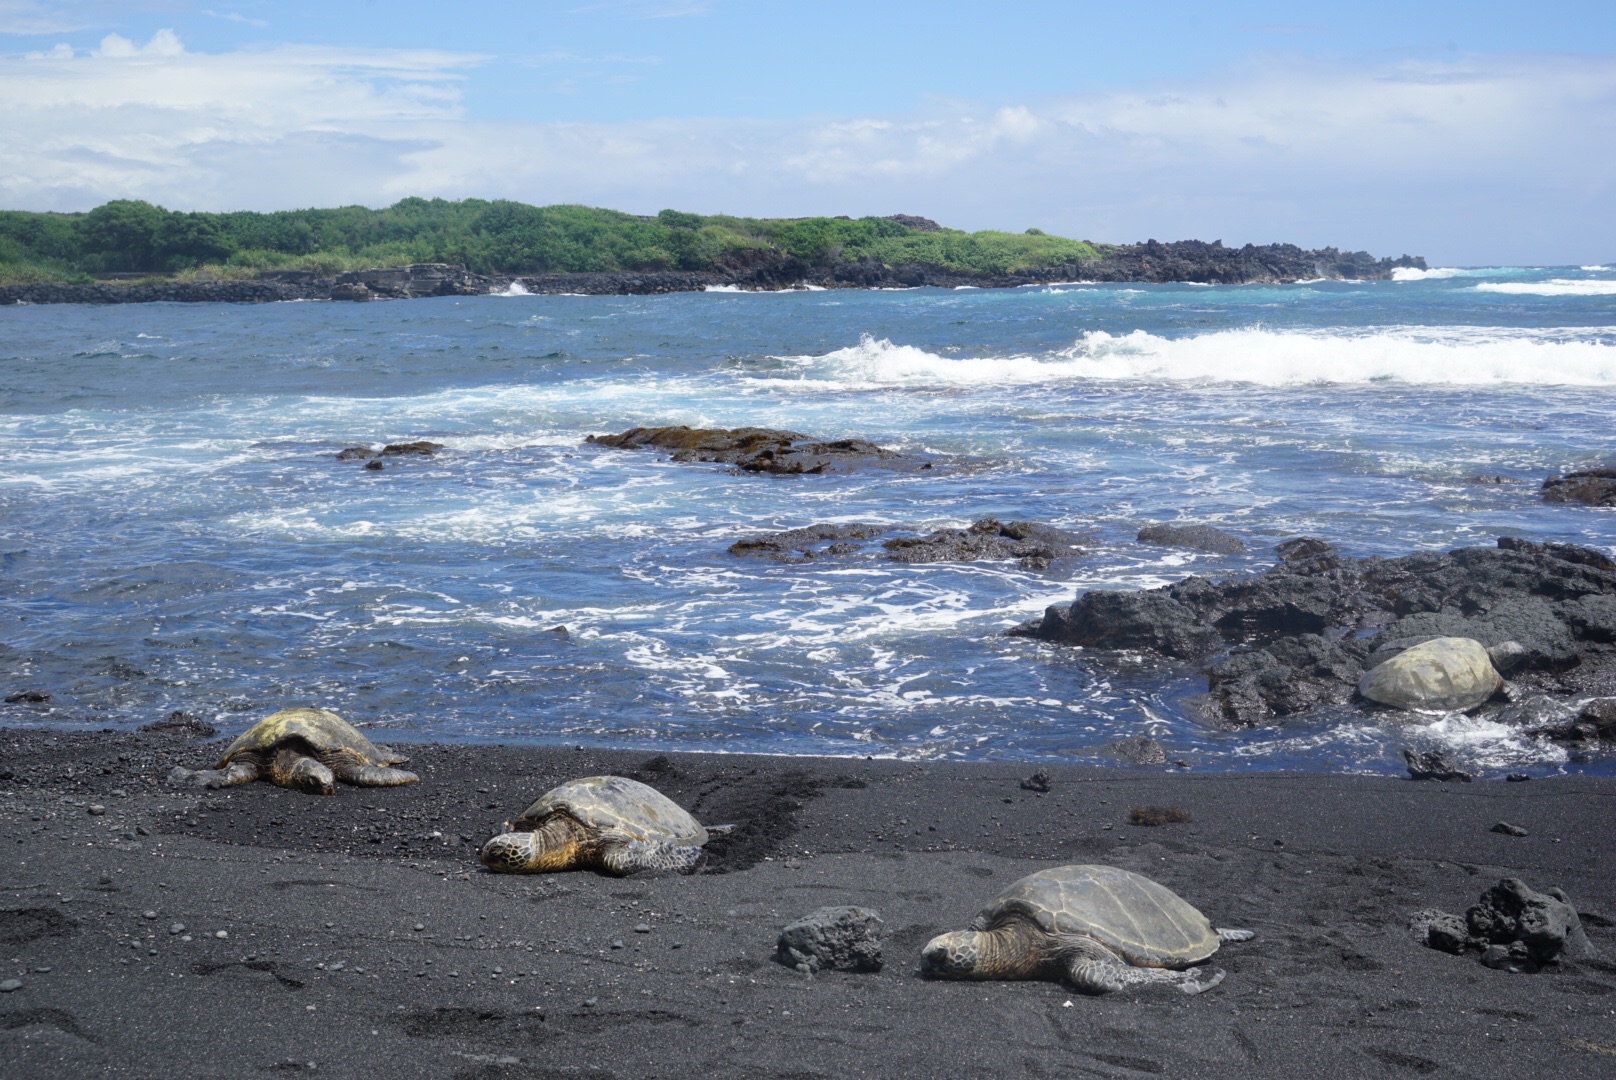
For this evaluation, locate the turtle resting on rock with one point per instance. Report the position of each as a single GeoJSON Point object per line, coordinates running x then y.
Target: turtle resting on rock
{"type": "Point", "coordinates": [305, 749]}
{"type": "Point", "coordinates": [1445, 674]}
{"type": "Point", "coordinates": [1099, 927]}
{"type": "Point", "coordinates": [605, 823]}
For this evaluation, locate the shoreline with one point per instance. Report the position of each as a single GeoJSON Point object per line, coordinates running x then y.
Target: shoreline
{"type": "Point", "coordinates": [361, 934]}
{"type": "Point", "coordinates": [1183, 262]}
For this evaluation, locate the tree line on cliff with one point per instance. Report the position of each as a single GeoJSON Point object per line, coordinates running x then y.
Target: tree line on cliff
{"type": "Point", "coordinates": [128, 236]}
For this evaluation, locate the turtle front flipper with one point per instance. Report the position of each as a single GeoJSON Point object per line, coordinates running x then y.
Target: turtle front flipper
{"type": "Point", "coordinates": [622, 856]}
{"type": "Point", "coordinates": [1095, 969]}
{"type": "Point", "coordinates": [350, 768]}
{"type": "Point", "coordinates": [239, 771]}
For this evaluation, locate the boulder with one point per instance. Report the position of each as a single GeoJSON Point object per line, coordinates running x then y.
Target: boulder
{"type": "Point", "coordinates": [1442, 931]}
{"type": "Point", "coordinates": [1138, 751]}
{"type": "Point", "coordinates": [1432, 765]}
{"type": "Point", "coordinates": [1196, 537]}
{"type": "Point", "coordinates": [1544, 925]}
{"type": "Point", "coordinates": [832, 939]}
{"type": "Point", "coordinates": [1448, 674]}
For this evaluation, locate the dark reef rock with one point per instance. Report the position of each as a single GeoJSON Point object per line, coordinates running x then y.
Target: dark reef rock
{"type": "Point", "coordinates": [799, 545]}
{"type": "Point", "coordinates": [1596, 487]}
{"type": "Point", "coordinates": [762, 450]}
{"type": "Point", "coordinates": [418, 448]}
{"type": "Point", "coordinates": [1594, 723]}
{"type": "Point", "coordinates": [1304, 631]}
{"type": "Point", "coordinates": [1038, 782]}
{"type": "Point", "coordinates": [1036, 546]}
{"type": "Point", "coordinates": [1197, 537]}
{"type": "Point", "coordinates": [28, 697]}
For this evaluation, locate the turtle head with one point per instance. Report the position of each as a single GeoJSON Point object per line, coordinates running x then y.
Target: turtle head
{"type": "Point", "coordinates": [510, 852]}
{"type": "Point", "coordinates": [952, 956]}
{"type": "Point", "coordinates": [311, 776]}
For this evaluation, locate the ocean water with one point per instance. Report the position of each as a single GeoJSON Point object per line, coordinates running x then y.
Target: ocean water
{"type": "Point", "coordinates": [175, 532]}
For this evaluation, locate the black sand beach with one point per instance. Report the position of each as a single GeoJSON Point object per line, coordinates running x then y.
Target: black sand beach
{"type": "Point", "coordinates": [257, 930]}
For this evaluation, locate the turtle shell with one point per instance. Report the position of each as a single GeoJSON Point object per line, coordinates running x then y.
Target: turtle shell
{"type": "Point", "coordinates": [618, 804]}
{"type": "Point", "coordinates": [1145, 922]}
{"type": "Point", "coordinates": [321, 730]}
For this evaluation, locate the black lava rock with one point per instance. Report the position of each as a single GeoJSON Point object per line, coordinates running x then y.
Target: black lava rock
{"type": "Point", "coordinates": [1197, 537]}
{"type": "Point", "coordinates": [832, 939]}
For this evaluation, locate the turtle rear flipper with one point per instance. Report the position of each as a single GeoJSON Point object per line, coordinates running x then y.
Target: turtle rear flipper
{"type": "Point", "coordinates": [720, 830]}
{"type": "Point", "coordinates": [1226, 936]}
{"type": "Point", "coordinates": [240, 771]}
{"type": "Point", "coordinates": [350, 768]}
{"type": "Point", "coordinates": [624, 857]}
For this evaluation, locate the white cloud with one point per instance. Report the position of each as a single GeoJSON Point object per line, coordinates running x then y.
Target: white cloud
{"type": "Point", "coordinates": [1490, 159]}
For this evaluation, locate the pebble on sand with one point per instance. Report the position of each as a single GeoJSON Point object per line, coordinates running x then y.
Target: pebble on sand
{"type": "Point", "coordinates": [9, 985]}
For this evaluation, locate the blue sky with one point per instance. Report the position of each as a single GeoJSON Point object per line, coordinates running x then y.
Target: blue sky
{"type": "Point", "coordinates": [1475, 132]}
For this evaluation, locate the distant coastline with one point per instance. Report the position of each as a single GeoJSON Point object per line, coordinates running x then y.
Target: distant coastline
{"type": "Point", "coordinates": [133, 252]}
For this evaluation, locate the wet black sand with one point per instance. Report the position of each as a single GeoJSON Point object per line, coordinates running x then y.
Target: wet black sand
{"type": "Point", "coordinates": [324, 968]}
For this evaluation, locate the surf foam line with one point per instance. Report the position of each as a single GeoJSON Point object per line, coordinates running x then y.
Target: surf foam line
{"type": "Point", "coordinates": [1461, 355]}
{"type": "Point", "coordinates": [1552, 287]}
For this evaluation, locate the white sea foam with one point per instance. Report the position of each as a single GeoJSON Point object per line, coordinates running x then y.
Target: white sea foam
{"type": "Point", "coordinates": [1553, 287]}
{"type": "Point", "coordinates": [1414, 273]}
{"type": "Point", "coordinates": [515, 288]}
{"type": "Point", "coordinates": [1445, 355]}
{"type": "Point", "coordinates": [722, 288]}
{"type": "Point", "coordinates": [1593, 269]}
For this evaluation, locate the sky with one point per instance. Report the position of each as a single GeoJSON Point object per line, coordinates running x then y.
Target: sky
{"type": "Point", "coordinates": [1472, 133]}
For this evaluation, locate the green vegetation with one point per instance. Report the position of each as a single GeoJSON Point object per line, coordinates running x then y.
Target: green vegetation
{"type": "Point", "coordinates": [500, 237]}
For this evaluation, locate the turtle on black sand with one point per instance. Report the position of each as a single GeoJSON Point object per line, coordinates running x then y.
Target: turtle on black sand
{"type": "Point", "coordinates": [305, 749]}
{"type": "Point", "coordinates": [605, 823]}
{"type": "Point", "coordinates": [1100, 927]}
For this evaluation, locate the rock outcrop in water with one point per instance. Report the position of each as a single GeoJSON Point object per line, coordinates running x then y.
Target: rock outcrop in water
{"type": "Point", "coordinates": [1300, 635]}
{"type": "Point", "coordinates": [1195, 537]}
{"type": "Point", "coordinates": [1596, 487]}
{"type": "Point", "coordinates": [763, 450]}
{"type": "Point", "coordinates": [1034, 546]}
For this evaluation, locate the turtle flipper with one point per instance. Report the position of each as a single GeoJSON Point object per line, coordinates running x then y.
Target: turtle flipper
{"type": "Point", "coordinates": [239, 771]}
{"type": "Point", "coordinates": [1094, 969]}
{"type": "Point", "coordinates": [1226, 936]}
{"type": "Point", "coordinates": [350, 768]}
{"type": "Point", "coordinates": [623, 857]}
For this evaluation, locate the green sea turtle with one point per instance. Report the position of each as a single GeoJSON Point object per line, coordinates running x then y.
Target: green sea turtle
{"type": "Point", "coordinates": [1445, 674]}
{"type": "Point", "coordinates": [306, 749]}
{"type": "Point", "coordinates": [605, 823]}
{"type": "Point", "coordinates": [1098, 926]}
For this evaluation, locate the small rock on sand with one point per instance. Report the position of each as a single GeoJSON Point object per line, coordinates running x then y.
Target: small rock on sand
{"type": "Point", "coordinates": [832, 939]}
{"type": "Point", "coordinates": [1508, 830]}
{"type": "Point", "coordinates": [1432, 765]}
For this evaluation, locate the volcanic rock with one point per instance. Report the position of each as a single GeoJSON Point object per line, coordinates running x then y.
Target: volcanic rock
{"type": "Point", "coordinates": [832, 939]}
{"type": "Point", "coordinates": [1305, 631]}
{"type": "Point", "coordinates": [762, 450]}
{"type": "Point", "coordinates": [1596, 487]}
{"type": "Point", "coordinates": [1036, 546]}
{"type": "Point", "coordinates": [1198, 537]}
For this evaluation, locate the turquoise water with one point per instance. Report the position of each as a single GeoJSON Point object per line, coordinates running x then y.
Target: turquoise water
{"type": "Point", "coordinates": [177, 534]}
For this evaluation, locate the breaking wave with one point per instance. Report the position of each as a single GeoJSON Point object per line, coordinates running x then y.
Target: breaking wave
{"type": "Point", "coordinates": [1553, 287]}
{"type": "Point", "coordinates": [1472, 356]}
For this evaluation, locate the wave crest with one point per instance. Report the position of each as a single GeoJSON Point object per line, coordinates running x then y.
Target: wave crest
{"type": "Point", "coordinates": [1450, 355]}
